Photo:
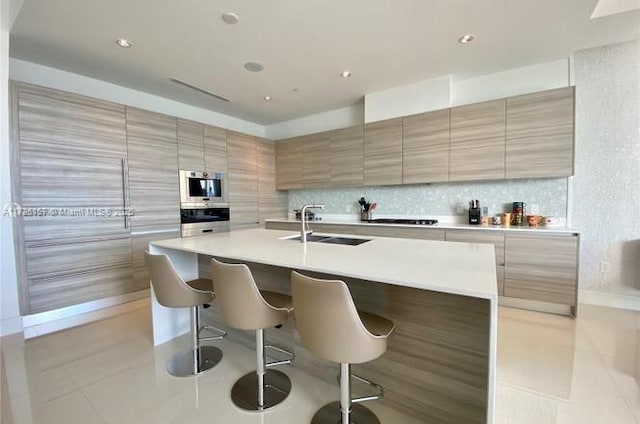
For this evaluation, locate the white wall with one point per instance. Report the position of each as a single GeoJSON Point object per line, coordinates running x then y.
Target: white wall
{"type": "Point", "coordinates": [543, 76]}
{"type": "Point", "coordinates": [432, 94]}
{"type": "Point", "coordinates": [10, 321]}
{"type": "Point", "coordinates": [325, 121]}
{"type": "Point", "coordinates": [33, 73]}
{"type": "Point", "coordinates": [606, 185]}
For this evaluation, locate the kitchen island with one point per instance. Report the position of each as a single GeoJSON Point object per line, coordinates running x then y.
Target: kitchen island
{"type": "Point", "coordinates": [440, 365]}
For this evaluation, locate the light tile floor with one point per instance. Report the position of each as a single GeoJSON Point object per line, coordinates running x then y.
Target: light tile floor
{"type": "Point", "coordinates": [551, 369]}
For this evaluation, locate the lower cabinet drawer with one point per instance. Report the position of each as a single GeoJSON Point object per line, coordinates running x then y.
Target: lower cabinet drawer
{"type": "Point", "coordinates": [84, 286]}
{"type": "Point", "coordinates": [542, 268]}
{"type": "Point", "coordinates": [421, 233]}
{"type": "Point", "coordinates": [286, 226]}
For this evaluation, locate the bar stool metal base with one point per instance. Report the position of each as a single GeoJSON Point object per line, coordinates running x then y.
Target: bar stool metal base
{"type": "Point", "coordinates": [194, 362]}
{"type": "Point", "coordinates": [244, 393]}
{"type": "Point", "coordinates": [331, 414]}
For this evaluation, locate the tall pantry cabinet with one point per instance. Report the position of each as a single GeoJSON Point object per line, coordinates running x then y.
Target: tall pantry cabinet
{"type": "Point", "coordinates": [69, 159]}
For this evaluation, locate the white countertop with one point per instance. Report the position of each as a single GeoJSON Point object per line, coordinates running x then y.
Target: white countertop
{"type": "Point", "coordinates": [441, 225]}
{"type": "Point", "coordinates": [459, 268]}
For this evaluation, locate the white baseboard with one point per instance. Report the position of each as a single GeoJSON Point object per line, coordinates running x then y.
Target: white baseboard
{"type": "Point", "coordinates": [612, 300]}
{"type": "Point", "coordinates": [73, 316]}
{"type": "Point", "coordinates": [11, 325]}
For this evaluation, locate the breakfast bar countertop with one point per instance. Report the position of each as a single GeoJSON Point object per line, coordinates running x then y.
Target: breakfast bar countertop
{"type": "Point", "coordinates": [458, 268]}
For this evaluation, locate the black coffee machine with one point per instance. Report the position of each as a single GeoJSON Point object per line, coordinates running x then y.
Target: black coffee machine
{"type": "Point", "coordinates": [475, 213]}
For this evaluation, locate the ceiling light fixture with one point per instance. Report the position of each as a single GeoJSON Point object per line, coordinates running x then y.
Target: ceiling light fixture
{"type": "Point", "coordinates": [123, 43]}
{"type": "Point", "coordinates": [465, 39]}
{"type": "Point", "coordinates": [253, 67]}
{"type": "Point", "coordinates": [345, 74]}
{"type": "Point", "coordinates": [267, 98]}
{"type": "Point", "coordinates": [230, 18]}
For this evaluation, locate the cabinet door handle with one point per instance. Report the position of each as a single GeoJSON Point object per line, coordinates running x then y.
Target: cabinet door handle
{"type": "Point", "coordinates": [125, 191]}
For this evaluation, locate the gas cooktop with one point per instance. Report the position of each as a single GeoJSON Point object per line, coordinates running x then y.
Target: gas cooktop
{"type": "Point", "coordinates": [404, 221]}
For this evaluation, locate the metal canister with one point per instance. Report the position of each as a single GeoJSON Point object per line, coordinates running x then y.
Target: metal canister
{"type": "Point", "coordinates": [519, 212]}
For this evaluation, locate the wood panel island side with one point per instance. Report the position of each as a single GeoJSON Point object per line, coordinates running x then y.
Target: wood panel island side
{"type": "Point", "coordinates": [440, 366]}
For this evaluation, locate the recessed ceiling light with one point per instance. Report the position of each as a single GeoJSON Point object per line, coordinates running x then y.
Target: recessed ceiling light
{"type": "Point", "coordinates": [253, 67]}
{"type": "Point", "coordinates": [123, 43]}
{"type": "Point", "coordinates": [230, 18]}
{"type": "Point", "coordinates": [267, 98]}
{"type": "Point", "coordinates": [466, 39]}
{"type": "Point", "coordinates": [345, 74]}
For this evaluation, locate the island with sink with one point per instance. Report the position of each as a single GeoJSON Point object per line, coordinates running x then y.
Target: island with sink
{"type": "Point", "coordinates": [440, 365]}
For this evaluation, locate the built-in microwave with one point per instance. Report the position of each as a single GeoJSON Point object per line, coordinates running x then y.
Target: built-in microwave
{"type": "Point", "coordinates": [202, 188]}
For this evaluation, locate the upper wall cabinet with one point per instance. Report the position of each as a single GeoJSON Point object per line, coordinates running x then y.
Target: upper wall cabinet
{"type": "Point", "coordinates": [152, 146]}
{"type": "Point", "coordinates": [540, 134]}
{"type": "Point", "coordinates": [425, 147]}
{"type": "Point", "coordinates": [383, 152]}
{"type": "Point", "coordinates": [347, 156]}
{"type": "Point", "coordinates": [271, 203]}
{"type": "Point", "coordinates": [315, 160]}
{"type": "Point", "coordinates": [190, 145]}
{"type": "Point", "coordinates": [478, 141]}
{"type": "Point", "coordinates": [289, 170]}
{"type": "Point", "coordinates": [215, 149]}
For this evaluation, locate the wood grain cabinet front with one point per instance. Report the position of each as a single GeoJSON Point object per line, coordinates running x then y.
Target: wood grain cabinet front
{"type": "Point", "coordinates": [271, 202]}
{"type": "Point", "coordinates": [425, 147]}
{"type": "Point", "coordinates": [215, 149]}
{"type": "Point", "coordinates": [383, 152]}
{"type": "Point", "coordinates": [316, 164]}
{"type": "Point", "coordinates": [478, 141]}
{"type": "Point", "coordinates": [243, 180]}
{"type": "Point", "coordinates": [190, 145]}
{"type": "Point", "coordinates": [540, 134]}
{"type": "Point", "coordinates": [542, 268]}
{"type": "Point", "coordinates": [289, 167]}
{"type": "Point", "coordinates": [70, 157]}
{"type": "Point", "coordinates": [346, 154]}
{"type": "Point", "coordinates": [496, 238]}
{"type": "Point", "coordinates": [152, 146]}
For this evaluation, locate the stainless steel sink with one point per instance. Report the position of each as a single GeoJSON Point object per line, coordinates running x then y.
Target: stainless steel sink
{"type": "Point", "coordinates": [348, 241]}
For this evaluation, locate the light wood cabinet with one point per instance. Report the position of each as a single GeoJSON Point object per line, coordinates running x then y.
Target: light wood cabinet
{"type": "Point", "coordinates": [478, 141]}
{"type": "Point", "coordinates": [541, 267]}
{"type": "Point", "coordinates": [540, 134]}
{"type": "Point", "coordinates": [70, 154]}
{"type": "Point", "coordinates": [383, 152]}
{"type": "Point", "coordinates": [500, 276]}
{"type": "Point", "coordinates": [425, 147]}
{"type": "Point", "coordinates": [152, 146]}
{"type": "Point", "coordinates": [190, 145]}
{"type": "Point", "coordinates": [347, 157]}
{"type": "Point", "coordinates": [242, 180]}
{"type": "Point", "coordinates": [271, 202]}
{"type": "Point", "coordinates": [496, 238]}
{"type": "Point", "coordinates": [421, 233]}
{"type": "Point", "coordinates": [215, 149]}
{"type": "Point", "coordinates": [316, 164]}
{"type": "Point", "coordinates": [289, 167]}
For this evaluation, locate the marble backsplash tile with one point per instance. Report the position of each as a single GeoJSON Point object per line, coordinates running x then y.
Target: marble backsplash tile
{"type": "Point", "coordinates": [549, 195]}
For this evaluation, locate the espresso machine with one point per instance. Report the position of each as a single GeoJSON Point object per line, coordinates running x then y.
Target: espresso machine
{"type": "Point", "coordinates": [475, 213]}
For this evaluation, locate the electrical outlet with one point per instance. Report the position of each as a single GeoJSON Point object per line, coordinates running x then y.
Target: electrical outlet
{"type": "Point", "coordinates": [605, 266]}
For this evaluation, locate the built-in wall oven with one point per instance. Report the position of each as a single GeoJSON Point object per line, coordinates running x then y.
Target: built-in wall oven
{"type": "Point", "coordinates": [198, 221]}
{"type": "Point", "coordinates": [198, 187]}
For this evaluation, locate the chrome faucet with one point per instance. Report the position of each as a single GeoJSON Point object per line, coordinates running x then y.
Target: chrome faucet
{"type": "Point", "coordinates": [303, 218]}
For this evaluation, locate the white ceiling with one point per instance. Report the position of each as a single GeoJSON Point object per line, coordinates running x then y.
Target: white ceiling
{"type": "Point", "coordinates": [302, 44]}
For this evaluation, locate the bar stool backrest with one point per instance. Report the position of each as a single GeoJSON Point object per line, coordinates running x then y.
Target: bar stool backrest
{"type": "Point", "coordinates": [328, 322]}
{"type": "Point", "coordinates": [170, 289]}
{"type": "Point", "coordinates": [240, 302]}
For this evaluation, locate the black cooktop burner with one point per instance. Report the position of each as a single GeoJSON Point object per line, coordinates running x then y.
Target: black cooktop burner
{"type": "Point", "coordinates": [404, 221]}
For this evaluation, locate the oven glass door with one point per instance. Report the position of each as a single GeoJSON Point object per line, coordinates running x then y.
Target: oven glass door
{"type": "Point", "coordinates": [210, 188]}
{"type": "Point", "coordinates": [194, 216]}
